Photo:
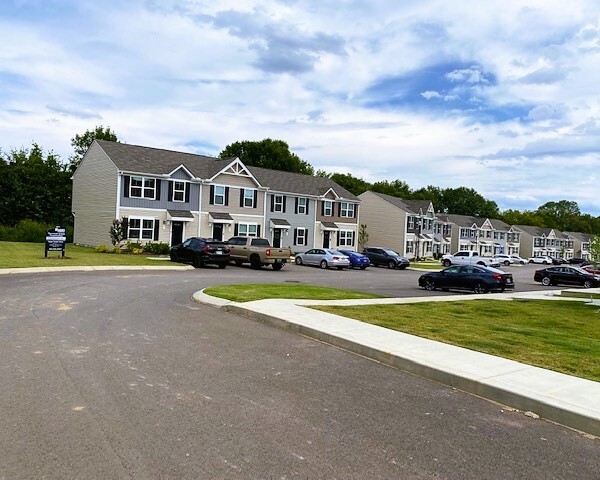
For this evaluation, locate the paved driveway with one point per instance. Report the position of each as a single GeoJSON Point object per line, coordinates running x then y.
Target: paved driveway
{"type": "Point", "coordinates": [121, 375]}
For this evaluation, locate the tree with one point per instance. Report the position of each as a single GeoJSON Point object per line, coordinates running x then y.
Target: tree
{"type": "Point", "coordinates": [594, 249]}
{"type": "Point", "coordinates": [559, 214]}
{"type": "Point", "coordinates": [81, 143]}
{"type": "Point", "coordinates": [268, 153]}
{"type": "Point", "coordinates": [118, 231]}
{"type": "Point", "coordinates": [466, 201]}
{"type": "Point", "coordinates": [351, 183]}
{"type": "Point", "coordinates": [363, 236]}
{"type": "Point", "coordinates": [396, 188]}
{"type": "Point", "coordinates": [527, 217]}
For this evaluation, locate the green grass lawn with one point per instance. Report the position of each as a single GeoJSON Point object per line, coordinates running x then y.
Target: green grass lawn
{"type": "Point", "coordinates": [21, 254]}
{"type": "Point", "coordinates": [427, 265]}
{"type": "Point", "coordinates": [561, 336]}
{"type": "Point", "coordinates": [261, 291]}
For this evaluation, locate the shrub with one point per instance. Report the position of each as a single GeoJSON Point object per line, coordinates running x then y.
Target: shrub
{"type": "Point", "coordinates": [159, 248]}
{"type": "Point", "coordinates": [102, 248]}
{"type": "Point", "coordinates": [131, 246]}
{"type": "Point", "coordinates": [30, 231]}
{"type": "Point", "coordinates": [137, 251]}
{"type": "Point", "coordinates": [116, 250]}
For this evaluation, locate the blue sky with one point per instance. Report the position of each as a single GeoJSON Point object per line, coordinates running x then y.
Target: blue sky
{"type": "Point", "coordinates": [498, 96]}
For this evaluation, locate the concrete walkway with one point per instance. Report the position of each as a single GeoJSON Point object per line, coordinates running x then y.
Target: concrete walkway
{"type": "Point", "coordinates": [98, 268]}
{"type": "Point", "coordinates": [564, 399]}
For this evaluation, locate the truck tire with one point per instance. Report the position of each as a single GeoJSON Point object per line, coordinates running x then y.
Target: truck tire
{"type": "Point", "coordinates": [239, 263]}
{"type": "Point", "coordinates": [255, 262]}
{"type": "Point", "coordinates": [277, 266]}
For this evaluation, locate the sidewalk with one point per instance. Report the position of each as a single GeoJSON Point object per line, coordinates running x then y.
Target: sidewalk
{"type": "Point", "coordinates": [86, 268]}
{"type": "Point", "coordinates": [564, 399]}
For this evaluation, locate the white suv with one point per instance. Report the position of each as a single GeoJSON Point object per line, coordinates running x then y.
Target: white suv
{"type": "Point", "coordinates": [504, 259]}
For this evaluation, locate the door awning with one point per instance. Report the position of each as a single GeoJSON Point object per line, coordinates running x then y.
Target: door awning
{"type": "Point", "coordinates": [279, 223]}
{"type": "Point", "coordinates": [217, 217]}
{"type": "Point", "coordinates": [180, 215]}
{"type": "Point", "coordinates": [329, 226]}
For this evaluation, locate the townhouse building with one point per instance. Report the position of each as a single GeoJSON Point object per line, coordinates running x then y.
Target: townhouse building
{"type": "Point", "coordinates": [537, 241]}
{"type": "Point", "coordinates": [487, 236]}
{"type": "Point", "coordinates": [167, 196]}
{"type": "Point", "coordinates": [580, 244]}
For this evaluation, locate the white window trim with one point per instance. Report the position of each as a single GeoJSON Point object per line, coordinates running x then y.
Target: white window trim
{"type": "Point", "coordinates": [328, 207]}
{"type": "Point", "coordinates": [345, 238]}
{"type": "Point", "coordinates": [176, 190]}
{"type": "Point", "coordinates": [301, 236]}
{"type": "Point", "coordinates": [302, 208]}
{"type": "Point", "coordinates": [251, 197]}
{"type": "Point", "coordinates": [141, 228]}
{"type": "Point", "coordinates": [278, 205]}
{"type": "Point", "coordinates": [247, 228]}
{"type": "Point", "coordinates": [347, 210]}
{"type": "Point", "coordinates": [215, 195]}
{"type": "Point", "coordinates": [142, 188]}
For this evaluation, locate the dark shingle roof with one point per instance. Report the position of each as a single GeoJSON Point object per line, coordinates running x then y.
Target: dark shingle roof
{"type": "Point", "coordinates": [412, 206]}
{"type": "Point", "coordinates": [156, 161]}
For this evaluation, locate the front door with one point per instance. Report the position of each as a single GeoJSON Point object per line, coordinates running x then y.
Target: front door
{"type": "Point", "coordinates": [326, 239]}
{"type": "Point", "coordinates": [176, 233]}
{"type": "Point", "coordinates": [277, 237]}
{"type": "Point", "coordinates": [217, 231]}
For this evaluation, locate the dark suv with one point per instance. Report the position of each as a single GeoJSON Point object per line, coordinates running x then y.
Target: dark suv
{"type": "Point", "coordinates": [386, 257]}
{"type": "Point", "coordinates": [201, 251]}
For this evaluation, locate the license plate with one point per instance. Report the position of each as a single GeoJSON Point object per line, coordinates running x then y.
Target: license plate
{"type": "Point", "coordinates": [219, 252]}
{"type": "Point", "coordinates": [509, 280]}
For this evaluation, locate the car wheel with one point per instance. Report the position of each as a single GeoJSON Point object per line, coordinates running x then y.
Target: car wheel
{"type": "Point", "coordinates": [239, 263]}
{"type": "Point", "coordinates": [481, 263]}
{"type": "Point", "coordinates": [323, 264]}
{"type": "Point", "coordinates": [173, 256]}
{"type": "Point", "coordinates": [446, 263]}
{"type": "Point", "coordinates": [255, 262]}
{"type": "Point", "coordinates": [530, 261]}
{"type": "Point", "coordinates": [197, 262]}
{"type": "Point", "coordinates": [402, 267]}
{"type": "Point", "coordinates": [587, 284]}
{"type": "Point", "coordinates": [222, 265]}
{"type": "Point", "coordinates": [277, 266]}
{"type": "Point", "coordinates": [340, 268]}
{"type": "Point", "coordinates": [545, 262]}
{"type": "Point", "coordinates": [298, 261]}
{"type": "Point", "coordinates": [429, 285]}
{"type": "Point", "coordinates": [506, 263]}
{"type": "Point", "coordinates": [363, 267]}
{"type": "Point", "coordinates": [479, 288]}
{"type": "Point", "coordinates": [522, 262]}
{"type": "Point", "coordinates": [391, 264]}
{"type": "Point", "coordinates": [546, 281]}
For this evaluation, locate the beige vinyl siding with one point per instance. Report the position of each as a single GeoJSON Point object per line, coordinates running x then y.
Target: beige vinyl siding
{"type": "Point", "coordinates": [190, 229]}
{"type": "Point", "coordinates": [206, 226]}
{"type": "Point", "coordinates": [385, 222]}
{"type": "Point", "coordinates": [234, 201]}
{"type": "Point", "coordinates": [238, 181]}
{"type": "Point", "coordinates": [94, 201]}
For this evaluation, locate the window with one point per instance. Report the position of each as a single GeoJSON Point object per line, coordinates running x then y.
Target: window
{"type": "Point", "coordinates": [300, 236]}
{"type": "Point", "coordinates": [248, 230]}
{"type": "Point", "coordinates": [248, 198]}
{"type": "Point", "coordinates": [346, 238]}
{"type": "Point", "coordinates": [347, 210]}
{"type": "Point", "coordinates": [142, 229]}
{"type": "Point", "coordinates": [302, 206]}
{"type": "Point", "coordinates": [179, 191]}
{"type": "Point", "coordinates": [409, 246]}
{"type": "Point", "coordinates": [278, 203]}
{"type": "Point", "coordinates": [327, 208]}
{"type": "Point", "coordinates": [411, 223]}
{"type": "Point", "coordinates": [219, 195]}
{"type": "Point", "coordinates": [142, 187]}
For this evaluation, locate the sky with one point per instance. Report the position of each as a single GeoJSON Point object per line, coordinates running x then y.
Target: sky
{"type": "Point", "coordinates": [498, 96]}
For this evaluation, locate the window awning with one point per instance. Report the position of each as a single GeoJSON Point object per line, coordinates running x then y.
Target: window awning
{"type": "Point", "coordinates": [329, 226]}
{"type": "Point", "coordinates": [180, 215]}
{"type": "Point", "coordinates": [484, 243]}
{"type": "Point", "coordinates": [216, 217]}
{"type": "Point", "coordinates": [279, 223]}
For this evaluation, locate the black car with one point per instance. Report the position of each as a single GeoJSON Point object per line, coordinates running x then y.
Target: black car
{"type": "Point", "coordinates": [578, 261]}
{"type": "Point", "coordinates": [201, 251]}
{"type": "Point", "coordinates": [386, 257]}
{"type": "Point", "coordinates": [566, 275]}
{"type": "Point", "coordinates": [477, 278]}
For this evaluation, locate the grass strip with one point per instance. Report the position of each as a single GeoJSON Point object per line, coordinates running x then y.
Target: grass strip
{"type": "Point", "coordinates": [262, 291]}
{"type": "Point", "coordinates": [560, 336]}
{"type": "Point", "coordinates": [23, 255]}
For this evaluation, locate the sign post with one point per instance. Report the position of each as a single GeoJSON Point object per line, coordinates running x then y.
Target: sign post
{"type": "Point", "coordinates": [56, 239]}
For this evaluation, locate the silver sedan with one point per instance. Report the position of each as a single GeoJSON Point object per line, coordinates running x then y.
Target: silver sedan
{"type": "Point", "coordinates": [324, 258]}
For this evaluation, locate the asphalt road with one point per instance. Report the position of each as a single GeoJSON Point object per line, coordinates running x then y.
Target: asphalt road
{"type": "Point", "coordinates": [120, 375]}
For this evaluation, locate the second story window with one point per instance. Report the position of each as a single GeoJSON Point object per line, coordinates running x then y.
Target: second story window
{"type": "Point", "coordinates": [302, 206]}
{"type": "Point", "coordinates": [218, 197]}
{"type": "Point", "coordinates": [346, 210]}
{"type": "Point", "coordinates": [248, 198]}
{"type": "Point", "coordinates": [327, 208]}
{"type": "Point", "coordinates": [278, 203]}
{"type": "Point", "coordinates": [179, 191]}
{"type": "Point", "coordinates": [142, 187]}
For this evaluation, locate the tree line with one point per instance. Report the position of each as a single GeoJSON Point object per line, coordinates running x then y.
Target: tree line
{"type": "Point", "coordinates": [36, 185]}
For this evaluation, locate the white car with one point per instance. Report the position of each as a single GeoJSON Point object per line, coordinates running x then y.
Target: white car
{"type": "Point", "coordinates": [504, 258]}
{"type": "Point", "coordinates": [517, 259]}
{"type": "Point", "coordinates": [543, 259]}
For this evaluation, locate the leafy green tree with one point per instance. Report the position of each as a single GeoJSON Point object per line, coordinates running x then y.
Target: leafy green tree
{"type": "Point", "coordinates": [267, 153]}
{"type": "Point", "coordinates": [351, 183]}
{"type": "Point", "coordinates": [559, 214]}
{"type": "Point", "coordinates": [466, 201]}
{"type": "Point", "coordinates": [363, 236]}
{"type": "Point", "coordinates": [594, 249]}
{"type": "Point", "coordinates": [81, 143]}
{"type": "Point", "coordinates": [434, 194]}
{"type": "Point", "coordinates": [35, 186]}
{"type": "Point", "coordinates": [396, 188]}
{"type": "Point", "coordinates": [527, 217]}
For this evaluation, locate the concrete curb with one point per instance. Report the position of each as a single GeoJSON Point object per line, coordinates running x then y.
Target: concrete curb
{"type": "Point", "coordinates": [98, 268]}
{"type": "Point", "coordinates": [564, 399]}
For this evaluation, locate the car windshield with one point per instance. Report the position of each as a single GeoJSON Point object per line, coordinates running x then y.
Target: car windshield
{"type": "Point", "coordinates": [391, 252]}
{"type": "Point", "coordinates": [335, 252]}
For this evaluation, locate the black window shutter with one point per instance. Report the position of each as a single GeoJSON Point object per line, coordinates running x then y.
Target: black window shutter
{"type": "Point", "coordinates": [158, 183]}
{"type": "Point", "coordinates": [353, 237]}
{"type": "Point", "coordinates": [126, 180]}
{"type": "Point", "coordinates": [156, 222]}
{"type": "Point", "coordinates": [272, 203]}
{"type": "Point", "coordinates": [241, 197]}
{"type": "Point", "coordinates": [337, 237]}
{"type": "Point", "coordinates": [125, 223]}
{"type": "Point", "coordinates": [355, 210]}
{"type": "Point", "coordinates": [322, 208]}
{"type": "Point", "coordinates": [235, 230]}
{"type": "Point", "coordinates": [226, 195]}
{"type": "Point", "coordinates": [307, 202]}
{"type": "Point", "coordinates": [255, 205]}
{"type": "Point", "coordinates": [339, 209]}
{"type": "Point", "coordinates": [170, 191]}
{"type": "Point", "coordinates": [187, 187]}
{"type": "Point", "coordinates": [306, 236]}
{"type": "Point", "coordinates": [296, 208]}
{"type": "Point", "coordinates": [258, 230]}
{"type": "Point", "coordinates": [284, 202]}
{"type": "Point", "coordinates": [211, 200]}
{"type": "Point", "coordinates": [295, 236]}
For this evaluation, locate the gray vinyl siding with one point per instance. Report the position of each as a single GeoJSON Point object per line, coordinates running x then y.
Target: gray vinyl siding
{"type": "Point", "coordinates": [295, 221]}
{"type": "Point", "coordinates": [164, 203]}
{"type": "Point", "coordinates": [94, 202]}
{"type": "Point", "coordinates": [233, 207]}
{"type": "Point", "coordinates": [180, 174]}
{"type": "Point", "coordinates": [385, 222]}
